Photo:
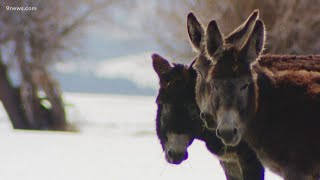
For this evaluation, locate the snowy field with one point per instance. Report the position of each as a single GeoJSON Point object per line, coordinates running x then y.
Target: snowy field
{"type": "Point", "coordinates": [117, 142]}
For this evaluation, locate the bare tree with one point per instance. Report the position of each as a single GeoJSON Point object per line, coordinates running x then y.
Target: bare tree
{"type": "Point", "coordinates": [34, 40]}
{"type": "Point", "coordinates": [292, 26]}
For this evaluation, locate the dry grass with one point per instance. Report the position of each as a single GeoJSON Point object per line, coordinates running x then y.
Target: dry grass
{"type": "Point", "coordinates": [293, 26]}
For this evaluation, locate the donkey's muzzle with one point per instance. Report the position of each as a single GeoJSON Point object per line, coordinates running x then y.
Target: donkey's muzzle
{"type": "Point", "coordinates": [228, 134]}
{"type": "Point", "coordinates": [176, 157]}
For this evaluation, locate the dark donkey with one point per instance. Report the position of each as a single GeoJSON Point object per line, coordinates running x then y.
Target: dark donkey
{"type": "Point", "coordinates": [178, 124]}
{"type": "Point", "coordinates": [276, 113]}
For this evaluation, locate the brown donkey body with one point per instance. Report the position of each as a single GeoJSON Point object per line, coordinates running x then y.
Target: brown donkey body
{"type": "Point", "coordinates": [178, 122]}
{"type": "Point", "coordinates": [276, 112]}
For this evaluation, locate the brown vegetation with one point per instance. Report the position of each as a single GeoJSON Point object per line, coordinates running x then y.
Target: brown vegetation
{"type": "Point", "coordinates": [293, 26]}
{"type": "Point", "coordinates": [31, 41]}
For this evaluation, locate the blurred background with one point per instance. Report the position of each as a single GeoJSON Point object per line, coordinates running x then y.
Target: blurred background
{"type": "Point", "coordinates": [84, 67]}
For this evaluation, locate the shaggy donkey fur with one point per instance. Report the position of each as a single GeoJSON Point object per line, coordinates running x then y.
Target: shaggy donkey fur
{"type": "Point", "coordinates": [276, 112]}
{"type": "Point", "coordinates": [292, 62]}
{"type": "Point", "coordinates": [178, 113]}
{"type": "Point", "coordinates": [185, 113]}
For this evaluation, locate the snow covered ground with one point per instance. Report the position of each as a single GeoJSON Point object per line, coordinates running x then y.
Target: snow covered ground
{"type": "Point", "coordinates": [116, 142]}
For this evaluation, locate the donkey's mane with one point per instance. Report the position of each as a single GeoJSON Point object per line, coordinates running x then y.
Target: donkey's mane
{"type": "Point", "coordinates": [301, 72]}
{"type": "Point", "coordinates": [306, 80]}
{"type": "Point", "coordinates": [292, 62]}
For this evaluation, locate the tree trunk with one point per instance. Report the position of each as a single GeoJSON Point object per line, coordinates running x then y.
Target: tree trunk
{"type": "Point", "coordinates": [10, 97]}
{"type": "Point", "coordinates": [37, 116]}
{"type": "Point", "coordinates": [57, 110]}
{"type": "Point", "coordinates": [43, 79]}
{"type": "Point", "coordinates": [23, 105]}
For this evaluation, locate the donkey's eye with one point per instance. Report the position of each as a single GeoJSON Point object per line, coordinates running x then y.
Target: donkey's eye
{"type": "Point", "coordinates": [244, 87]}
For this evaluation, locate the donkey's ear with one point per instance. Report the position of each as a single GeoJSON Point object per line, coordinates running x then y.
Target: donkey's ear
{"type": "Point", "coordinates": [214, 38]}
{"type": "Point", "coordinates": [240, 34]}
{"type": "Point", "coordinates": [195, 31]}
{"type": "Point", "coordinates": [160, 65]}
{"type": "Point", "coordinates": [254, 46]}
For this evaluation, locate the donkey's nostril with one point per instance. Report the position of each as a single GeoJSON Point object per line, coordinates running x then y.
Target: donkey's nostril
{"type": "Point", "coordinates": [170, 153]}
{"type": "Point", "coordinates": [235, 131]}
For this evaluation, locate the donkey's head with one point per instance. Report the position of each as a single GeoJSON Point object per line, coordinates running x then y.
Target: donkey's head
{"type": "Point", "coordinates": [203, 63]}
{"type": "Point", "coordinates": [231, 97]}
{"type": "Point", "coordinates": [177, 116]}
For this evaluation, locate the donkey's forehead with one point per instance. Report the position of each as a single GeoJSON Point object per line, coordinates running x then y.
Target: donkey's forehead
{"type": "Point", "coordinates": [229, 70]}
{"type": "Point", "coordinates": [179, 87]}
{"type": "Point", "coordinates": [243, 79]}
{"type": "Point", "coordinates": [229, 65]}
{"type": "Point", "coordinates": [180, 72]}
{"type": "Point", "coordinates": [179, 78]}
{"type": "Point", "coordinates": [229, 52]}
